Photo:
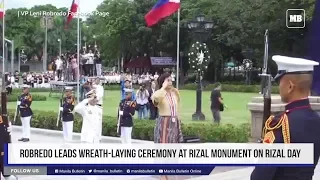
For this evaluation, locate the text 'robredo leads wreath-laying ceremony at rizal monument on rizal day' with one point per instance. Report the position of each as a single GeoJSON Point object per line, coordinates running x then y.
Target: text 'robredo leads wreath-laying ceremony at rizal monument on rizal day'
{"type": "Point", "coordinates": [159, 89]}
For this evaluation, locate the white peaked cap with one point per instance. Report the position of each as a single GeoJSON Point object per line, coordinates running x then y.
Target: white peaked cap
{"type": "Point", "coordinates": [25, 86]}
{"type": "Point", "coordinates": [90, 93]}
{"type": "Point", "coordinates": [291, 65]}
{"type": "Point", "coordinates": [68, 88]}
{"type": "Point", "coordinates": [127, 90]}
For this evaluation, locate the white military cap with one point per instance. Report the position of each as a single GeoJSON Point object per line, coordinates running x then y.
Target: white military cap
{"type": "Point", "coordinates": [90, 93]}
{"type": "Point", "coordinates": [25, 86]}
{"type": "Point", "coordinates": [68, 88]}
{"type": "Point", "coordinates": [127, 90]}
{"type": "Point", "coordinates": [290, 65]}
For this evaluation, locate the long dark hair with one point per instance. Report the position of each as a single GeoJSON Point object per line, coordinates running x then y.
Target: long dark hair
{"type": "Point", "coordinates": [162, 78]}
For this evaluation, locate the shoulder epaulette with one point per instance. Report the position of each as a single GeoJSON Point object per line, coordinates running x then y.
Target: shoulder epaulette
{"type": "Point", "coordinates": [274, 123]}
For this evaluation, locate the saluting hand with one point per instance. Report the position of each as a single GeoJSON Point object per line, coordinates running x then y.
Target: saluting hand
{"type": "Point", "coordinates": [165, 84]}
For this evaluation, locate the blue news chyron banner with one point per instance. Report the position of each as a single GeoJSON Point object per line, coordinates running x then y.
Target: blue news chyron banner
{"type": "Point", "coordinates": [128, 170]}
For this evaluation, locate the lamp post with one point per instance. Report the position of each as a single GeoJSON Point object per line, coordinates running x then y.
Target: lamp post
{"type": "Point", "coordinates": [85, 41]}
{"type": "Point", "coordinates": [46, 23]}
{"type": "Point", "coordinates": [12, 53]}
{"type": "Point", "coordinates": [247, 64]}
{"type": "Point", "coordinates": [181, 70]}
{"type": "Point", "coordinates": [201, 30]}
{"type": "Point", "coordinates": [95, 42]}
{"type": "Point", "coordinates": [22, 57]}
{"type": "Point", "coordinates": [59, 40]}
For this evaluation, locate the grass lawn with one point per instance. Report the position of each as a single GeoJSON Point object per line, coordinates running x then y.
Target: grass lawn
{"type": "Point", "coordinates": [236, 112]}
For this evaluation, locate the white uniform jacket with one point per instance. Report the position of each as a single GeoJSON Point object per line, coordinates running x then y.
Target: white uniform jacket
{"type": "Point", "coordinates": [91, 130]}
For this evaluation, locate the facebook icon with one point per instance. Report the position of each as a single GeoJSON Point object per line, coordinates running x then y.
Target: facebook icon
{"type": "Point", "coordinates": [295, 18]}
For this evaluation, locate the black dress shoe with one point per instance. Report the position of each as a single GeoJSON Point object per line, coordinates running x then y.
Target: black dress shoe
{"type": "Point", "coordinates": [11, 177]}
{"type": "Point", "coordinates": [26, 140]}
{"type": "Point", "coordinates": [22, 139]}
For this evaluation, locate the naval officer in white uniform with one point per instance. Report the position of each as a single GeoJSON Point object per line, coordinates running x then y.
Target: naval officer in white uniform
{"type": "Point", "coordinates": [91, 113]}
{"type": "Point", "coordinates": [92, 118]}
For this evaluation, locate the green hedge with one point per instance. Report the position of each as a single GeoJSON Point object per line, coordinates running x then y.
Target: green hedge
{"type": "Point", "coordinates": [18, 90]}
{"type": "Point", "coordinates": [209, 87]}
{"type": "Point", "coordinates": [143, 129]}
{"type": "Point", "coordinates": [35, 97]}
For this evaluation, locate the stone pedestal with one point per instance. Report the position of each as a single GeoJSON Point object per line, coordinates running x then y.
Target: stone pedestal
{"type": "Point", "coordinates": [277, 106]}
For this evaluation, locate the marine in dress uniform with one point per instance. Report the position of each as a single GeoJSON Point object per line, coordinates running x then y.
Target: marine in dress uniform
{"type": "Point", "coordinates": [46, 81]}
{"type": "Point", "coordinates": [126, 112]}
{"type": "Point", "coordinates": [32, 80]}
{"type": "Point", "coordinates": [25, 80]}
{"type": "Point", "coordinates": [35, 81]}
{"type": "Point", "coordinates": [298, 124]}
{"type": "Point", "coordinates": [3, 133]}
{"type": "Point", "coordinates": [16, 80]}
{"type": "Point", "coordinates": [40, 81]}
{"type": "Point", "coordinates": [52, 78]}
{"type": "Point", "coordinates": [8, 84]}
{"type": "Point", "coordinates": [67, 114]}
{"type": "Point", "coordinates": [25, 113]}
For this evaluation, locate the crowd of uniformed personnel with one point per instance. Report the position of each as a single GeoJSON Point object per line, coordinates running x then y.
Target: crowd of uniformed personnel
{"type": "Point", "coordinates": [35, 80]}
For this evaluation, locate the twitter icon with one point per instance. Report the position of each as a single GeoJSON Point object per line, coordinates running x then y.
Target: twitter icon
{"type": "Point", "coordinates": [90, 170]}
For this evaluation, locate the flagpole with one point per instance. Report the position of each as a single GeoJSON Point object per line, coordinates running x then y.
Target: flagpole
{"type": "Point", "coordinates": [3, 44]}
{"type": "Point", "coordinates": [178, 50]}
{"type": "Point", "coordinates": [78, 54]}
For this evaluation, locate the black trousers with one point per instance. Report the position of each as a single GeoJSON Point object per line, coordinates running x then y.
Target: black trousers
{"type": "Point", "coordinates": [59, 74]}
{"type": "Point", "coordinates": [1, 164]}
{"type": "Point", "coordinates": [88, 69]}
{"type": "Point", "coordinates": [9, 90]}
{"type": "Point", "coordinates": [153, 112]}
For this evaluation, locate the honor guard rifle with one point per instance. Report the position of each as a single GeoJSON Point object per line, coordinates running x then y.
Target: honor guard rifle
{"type": "Point", "coordinates": [119, 121]}
{"type": "Point", "coordinates": [16, 113]}
{"type": "Point", "coordinates": [4, 110]}
{"type": "Point", "coordinates": [266, 84]}
{"type": "Point", "coordinates": [59, 113]}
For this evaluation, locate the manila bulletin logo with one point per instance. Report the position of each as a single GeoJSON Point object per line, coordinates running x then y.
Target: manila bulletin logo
{"type": "Point", "coordinates": [295, 18]}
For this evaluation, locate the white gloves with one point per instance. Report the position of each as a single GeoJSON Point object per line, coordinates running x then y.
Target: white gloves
{"type": "Point", "coordinates": [18, 103]}
{"type": "Point", "coordinates": [61, 109]}
{"type": "Point", "coordinates": [120, 113]}
{"type": "Point", "coordinates": [9, 128]}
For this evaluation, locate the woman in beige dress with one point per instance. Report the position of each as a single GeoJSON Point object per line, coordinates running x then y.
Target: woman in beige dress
{"type": "Point", "coordinates": [168, 125]}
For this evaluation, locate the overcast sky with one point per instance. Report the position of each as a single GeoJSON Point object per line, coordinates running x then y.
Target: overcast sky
{"type": "Point", "coordinates": [85, 5]}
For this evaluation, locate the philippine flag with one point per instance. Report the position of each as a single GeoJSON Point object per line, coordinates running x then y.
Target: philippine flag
{"type": "Point", "coordinates": [72, 12]}
{"type": "Point", "coordinates": [162, 9]}
{"type": "Point", "coordinates": [2, 9]}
